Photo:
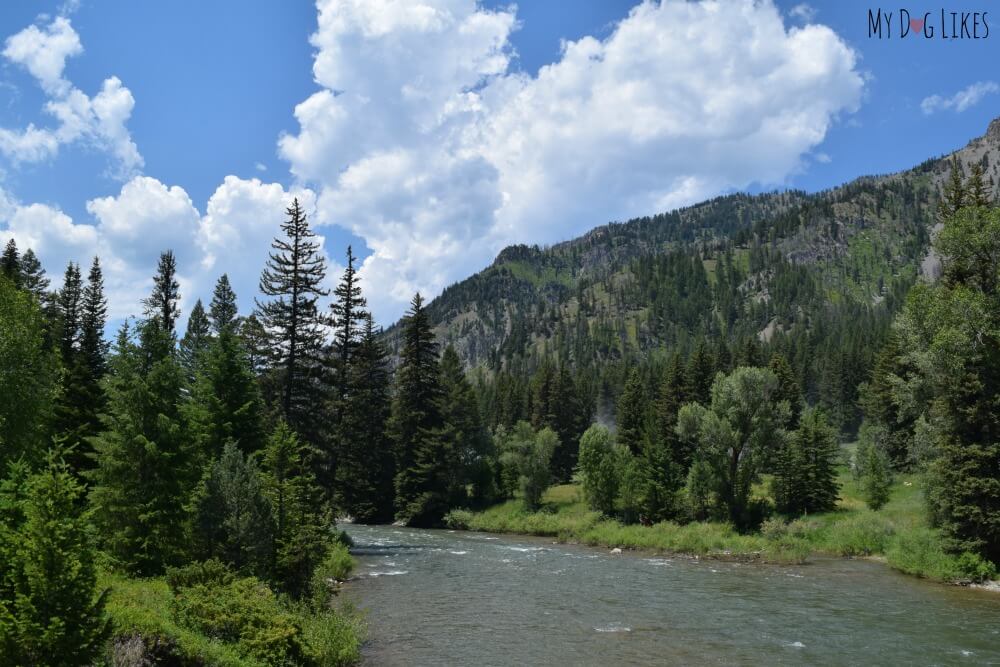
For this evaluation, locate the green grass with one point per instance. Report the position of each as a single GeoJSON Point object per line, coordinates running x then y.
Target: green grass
{"type": "Point", "coordinates": [898, 534]}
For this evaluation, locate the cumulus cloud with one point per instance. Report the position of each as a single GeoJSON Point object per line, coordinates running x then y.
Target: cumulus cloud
{"type": "Point", "coordinates": [100, 121]}
{"type": "Point", "coordinates": [960, 101]}
{"type": "Point", "coordinates": [803, 11]}
{"type": "Point", "coordinates": [423, 141]}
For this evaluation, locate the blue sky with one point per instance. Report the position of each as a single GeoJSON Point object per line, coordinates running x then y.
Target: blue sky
{"type": "Point", "coordinates": [430, 136]}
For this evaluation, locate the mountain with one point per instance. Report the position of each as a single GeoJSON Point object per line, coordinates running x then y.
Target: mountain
{"type": "Point", "coordinates": [784, 271]}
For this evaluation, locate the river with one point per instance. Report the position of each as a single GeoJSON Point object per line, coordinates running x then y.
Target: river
{"type": "Point", "coordinates": [438, 597]}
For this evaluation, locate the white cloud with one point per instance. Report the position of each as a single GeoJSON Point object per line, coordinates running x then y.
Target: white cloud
{"type": "Point", "coordinates": [960, 101]}
{"type": "Point", "coordinates": [803, 12]}
{"type": "Point", "coordinates": [422, 141]}
{"type": "Point", "coordinates": [100, 121]}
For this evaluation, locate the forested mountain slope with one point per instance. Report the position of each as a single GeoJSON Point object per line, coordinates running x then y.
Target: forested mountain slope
{"type": "Point", "coordinates": [815, 276]}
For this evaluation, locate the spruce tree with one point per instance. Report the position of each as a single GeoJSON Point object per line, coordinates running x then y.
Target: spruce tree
{"type": "Point", "coordinates": [69, 307]}
{"type": "Point", "coordinates": [10, 263]}
{"type": "Point", "coordinates": [364, 474]}
{"type": "Point", "coordinates": [294, 274]}
{"type": "Point", "coordinates": [699, 374]}
{"type": "Point", "coordinates": [953, 195]}
{"type": "Point", "coordinates": [194, 344]}
{"type": "Point", "coordinates": [93, 319]}
{"type": "Point", "coordinates": [631, 414]}
{"type": "Point", "coordinates": [303, 524]}
{"type": "Point", "coordinates": [876, 478]}
{"type": "Point", "coordinates": [232, 518]}
{"type": "Point", "coordinates": [423, 453]}
{"type": "Point", "coordinates": [161, 305]}
{"type": "Point", "coordinates": [257, 344]}
{"type": "Point", "coordinates": [51, 612]}
{"type": "Point", "coordinates": [788, 386]}
{"type": "Point", "coordinates": [805, 480]}
{"type": "Point", "coordinates": [977, 193]}
{"type": "Point", "coordinates": [143, 455]}
{"type": "Point", "coordinates": [464, 425]}
{"type": "Point", "coordinates": [222, 310]}
{"type": "Point", "coordinates": [33, 276]}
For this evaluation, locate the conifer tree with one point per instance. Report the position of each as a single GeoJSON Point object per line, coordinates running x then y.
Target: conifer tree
{"type": "Point", "coordinates": [69, 308]}
{"type": "Point", "coordinates": [423, 453]}
{"type": "Point", "coordinates": [303, 523]}
{"type": "Point", "coordinates": [256, 343]}
{"type": "Point", "coordinates": [194, 345]}
{"type": "Point", "coordinates": [788, 386]}
{"type": "Point", "coordinates": [51, 612]}
{"type": "Point", "coordinates": [977, 193]}
{"type": "Point", "coordinates": [294, 274]}
{"type": "Point", "coordinates": [161, 305]}
{"type": "Point", "coordinates": [464, 425]}
{"type": "Point", "coordinates": [143, 455]}
{"type": "Point", "coordinates": [700, 374]}
{"type": "Point", "coordinates": [876, 478]}
{"type": "Point", "coordinates": [93, 318]}
{"type": "Point", "coordinates": [631, 415]}
{"type": "Point", "coordinates": [223, 310]}
{"type": "Point", "coordinates": [364, 473]}
{"type": "Point", "coordinates": [806, 478]}
{"type": "Point", "coordinates": [33, 276]}
{"type": "Point", "coordinates": [232, 518]}
{"type": "Point", "coordinates": [953, 196]}
{"type": "Point", "coordinates": [10, 263]}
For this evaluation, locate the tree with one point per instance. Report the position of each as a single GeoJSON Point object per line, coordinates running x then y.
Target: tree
{"type": "Point", "coordinates": [93, 319]}
{"type": "Point", "coordinates": [806, 477]}
{"type": "Point", "coordinates": [876, 478]}
{"type": "Point", "coordinates": [257, 344]}
{"type": "Point", "coordinates": [598, 467]}
{"type": "Point", "coordinates": [294, 274]}
{"type": "Point", "coordinates": [953, 196]}
{"type": "Point", "coordinates": [700, 374]}
{"type": "Point", "coordinates": [33, 278]}
{"type": "Point", "coordinates": [161, 305]}
{"type": "Point", "coordinates": [194, 344]}
{"type": "Point", "coordinates": [464, 427]}
{"type": "Point", "coordinates": [223, 310]}
{"type": "Point", "coordinates": [977, 194]}
{"type": "Point", "coordinates": [50, 610]}
{"type": "Point", "coordinates": [788, 386]}
{"type": "Point", "coordinates": [68, 304]}
{"type": "Point", "coordinates": [303, 523]}
{"type": "Point", "coordinates": [364, 474]}
{"type": "Point", "coordinates": [631, 415]}
{"type": "Point", "coordinates": [10, 263]}
{"type": "Point", "coordinates": [424, 456]}
{"type": "Point", "coordinates": [143, 455]}
{"type": "Point", "coordinates": [738, 432]}
{"type": "Point", "coordinates": [28, 381]}
{"type": "Point", "coordinates": [231, 515]}
{"type": "Point", "coordinates": [527, 455]}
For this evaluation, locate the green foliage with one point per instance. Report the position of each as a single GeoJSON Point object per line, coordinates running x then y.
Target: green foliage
{"type": "Point", "coordinates": [197, 338]}
{"type": "Point", "coordinates": [27, 376]}
{"type": "Point", "coordinates": [599, 469]}
{"type": "Point", "coordinates": [232, 518]}
{"type": "Point", "coordinates": [876, 477]}
{"type": "Point", "coordinates": [143, 457]}
{"type": "Point", "coordinates": [805, 479]}
{"type": "Point", "coordinates": [336, 567]}
{"type": "Point", "coordinates": [50, 610]}
{"type": "Point", "coordinates": [738, 434]}
{"type": "Point", "coordinates": [527, 456]}
{"type": "Point", "coordinates": [631, 414]}
{"type": "Point", "coordinates": [161, 306]}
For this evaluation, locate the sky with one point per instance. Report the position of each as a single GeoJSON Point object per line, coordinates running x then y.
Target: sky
{"type": "Point", "coordinates": [430, 134]}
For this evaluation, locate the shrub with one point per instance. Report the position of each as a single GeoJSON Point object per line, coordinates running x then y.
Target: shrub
{"type": "Point", "coordinates": [861, 535]}
{"type": "Point", "coordinates": [458, 519]}
{"type": "Point", "coordinates": [336, 567]}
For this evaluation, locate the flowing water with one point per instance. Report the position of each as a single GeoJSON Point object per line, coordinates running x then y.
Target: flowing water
{"type": "Point", "coordinates": [437, 597]}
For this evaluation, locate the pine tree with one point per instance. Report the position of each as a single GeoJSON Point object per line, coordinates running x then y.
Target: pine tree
{"type": "Point", "coordinates": [977, 193]}
{"type": "Point", "coordinates": [470, 442]}
{"type": "Point", "coordinates": [223, 310]}
{"type": "Point", "coordinates": [631, 415]}
{"type": "Point", "coordinates": [69, 308]}
{"type": "Point", "coordinates": [876, 478]}
{"type": "Point", "coordinates": [232, 518]}
{"type": "Point", "coordinates": [33, 276]}
{"type": "Point", "coordinates": [143, 455]}
{"type": "Point", "coordinates": [423, 456]}
{"type": "Point", "coordinates": [700, 374]}
{"type": "Point", "coordinates": [194, 344]}
{"type": "Point", "coordinates": [303, 524]}
{"type": "Point", "coordinates": [161, 305]}
{"type": "Point", "coordinates": [294, 274]}
{"type": "Point", "coordinates": [364, 474]}
{"type": "Point", "coordinates": [953, 196]}
{"type": "Point", "coordinates": [93, 318]}
{"type": "Point", "coordinates": [51, 612]}
{"type": "Point", "coordinates": [10, 263]}
{"type": "Point", "coordinates": [257, 345]}
{"type": "Point", "coordinates": [806, 478]}
{"type": "Point", "coordinates": [788, 386]}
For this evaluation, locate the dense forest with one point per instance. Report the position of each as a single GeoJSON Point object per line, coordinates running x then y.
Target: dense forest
{"type": "Point", "coordinates": [667, 364]}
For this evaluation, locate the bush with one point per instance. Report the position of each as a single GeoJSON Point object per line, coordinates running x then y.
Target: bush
{"type": "Point", "coordinates": [333, 638]}
{"type": "Point", "coordinates": [336, 567]}
{"type": "Point", "coordinates": [458, 519]}
{"type": "Point", "coordinates": [204, 573]}
{"type": "Point", "coordinates": [975, 568]}
{"type": "Point", "coordinates": [861, 535]}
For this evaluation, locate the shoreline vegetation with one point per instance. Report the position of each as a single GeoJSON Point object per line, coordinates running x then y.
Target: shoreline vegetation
{"type": "Point", "coordinates": [897, 535]}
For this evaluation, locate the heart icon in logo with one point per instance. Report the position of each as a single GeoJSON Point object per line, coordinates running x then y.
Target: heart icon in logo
{"type": "Point", "coordinates": [916, 25]}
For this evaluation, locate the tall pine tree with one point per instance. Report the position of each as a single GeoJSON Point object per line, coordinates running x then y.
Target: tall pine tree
{"type": "Point", "coordinates": [161, 305]}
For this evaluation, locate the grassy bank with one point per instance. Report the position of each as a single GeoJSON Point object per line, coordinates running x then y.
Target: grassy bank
{"type": "Point", "coordinates": [236, 623]}
{"type": "Point", "coordinates": [898, 533]}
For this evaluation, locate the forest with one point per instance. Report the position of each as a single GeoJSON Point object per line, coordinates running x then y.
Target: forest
{"type": "Point", "coordinates": [176, 494]}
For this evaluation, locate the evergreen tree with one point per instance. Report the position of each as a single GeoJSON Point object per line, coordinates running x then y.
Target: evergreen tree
{"type": "Point", "coordinates": [294, 274]}
{"type": "Point", "coordinates": [231, 515]}
{"type": "Point", "coordinates": [195, 343]}
{"type": "Point", "coordinates": [464, 426]}
{"type": "Point", "coordinates": [364, 476]}
{"type": "Point", "coordinates": [33, 276]}
{"type": "Point", "coordinates": [303, 523]}
{"type": "Point", "coordinates": [788, 386]}
{"type": "Point", "coordinates": [50, 610]}
{"type": "Point", "coordinates": [10, 263]}
{"type": "Point", "coordinates": [69, 308]}
{"type": "Point", "coordinates": [143, 456]}
{"type": "Point", "coordinates": [953, 196]}
{"type": "Point", "coordinates": [876, 478]}
{"type": "Point", "coordinates": [93, 318]}
{"type": "Point", "coordinates": [700, 374]}
{"type": "Point", "coordinates": [223, 310]}
{"type": "Point", "coordinates": [29, 379]}
{"type": "Point", "coordinates": [161, 305]}
{"type": "Point", "coordinates": [806, 477]}
{"type": "Point", "coordinates": [424, 457]}
{"type": "Point", "coordinates": [631, 415]}
{"type": "Point", "coordinates": [977, 194]}
{"type": "Point", "coordinates": [256, 343]}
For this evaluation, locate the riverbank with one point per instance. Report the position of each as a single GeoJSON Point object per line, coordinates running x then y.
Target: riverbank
{"type": "Point", "coordinates": [898, 534]}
